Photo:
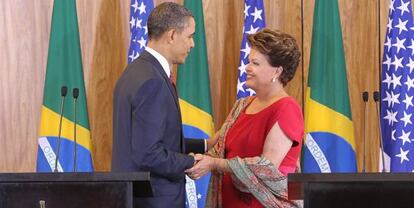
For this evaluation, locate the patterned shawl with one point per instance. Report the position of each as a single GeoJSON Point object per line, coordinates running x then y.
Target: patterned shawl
{"type": "Point", "coordinates": [256, 175]}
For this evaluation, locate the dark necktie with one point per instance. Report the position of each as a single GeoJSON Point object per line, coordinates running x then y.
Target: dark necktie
{"type": "Point", "coordinates": [172, 79]}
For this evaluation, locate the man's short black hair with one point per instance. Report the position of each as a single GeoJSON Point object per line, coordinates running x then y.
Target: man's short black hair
{"type": "Point", "coordinates": [167, 16]}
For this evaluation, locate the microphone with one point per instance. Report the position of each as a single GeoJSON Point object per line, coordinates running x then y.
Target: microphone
{"type": "Point", "coordinates": [365, 99]}
{"type": "Point", "coordinates": [63, 92]}
{"type": "Point", "coordinates": [376, 99]}
{"type": "Point", "coordinates": [75, 94]}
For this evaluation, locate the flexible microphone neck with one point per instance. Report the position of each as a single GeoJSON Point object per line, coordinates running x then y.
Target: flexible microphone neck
{"type": "Point", "coordinates": [75, 94]}
{"type": "Point", "coordinates": [63, 92]}
{"type": "Point", "coordinates": [376, 99]}
{"type": "Point", "coordinates": [365, 96]}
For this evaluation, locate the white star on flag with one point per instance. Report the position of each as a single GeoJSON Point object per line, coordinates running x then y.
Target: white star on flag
{"type": "Point", "coordinates": [397, 63]}
{"type": "Point", "coordinates": [138, 23]}
{"type": "Point", "coordinates": [252, 30]}
{"type": "Point", "coordinates": [388, 45]}
{"type": "Point", "coordinates": [387, 79]}
{"type": "Point", "coordinates": [142, 42]}
{"type": "Point", "coordinates": [401, 26]}
{"type": "Point", "coordinates": [240, 86]}
{"type": "Point", "coordinates": [141, 8]}
{"type": "Point", "coordinates": [403, 155]}
{"type": "Point", "coordinates": [135, 6]}
{"type": "Point", "coordinates": [132, 22]}
{"type": "Point", "coordinates": [409, 83]}
{"type": "Point", "coordinates": [242, 68]}
{"type": "Point", "coordinates": [246, 10]}
{"type": "Point", "coordinates": [404, 137]}
{"type": "Point", "coordinates": [391, 117]}
{"type": "Point", "coordinates": [396, 80]}
{"type": "Point", "coordinates": [387, 61]}
{"type": "Point", "coordinates": [257, 14]}
{"type": "Point", "coordinates": [408, 101]}
{"type": "Point", "coordinates": [411, 65]}
{"type": "Point", "coordinates": [403, 7]}
{"type": "Point", "coordinates": [246, 51]}
{"type": "Point", "coordinates": [407, 120]}
{"type": "Point", "coordinates": [399, 44]}
{"type": "Point", "coordinates": [389, 25]}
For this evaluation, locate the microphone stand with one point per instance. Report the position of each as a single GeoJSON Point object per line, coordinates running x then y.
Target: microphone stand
{"type": "Point", "coordinates": [63, 92]}
{"type": "Point", "coordinates": [75, 98]}
{"type": "Point", "coordinates": [376, 99]}
{"type": "Point", "coordinates": [365, 96]}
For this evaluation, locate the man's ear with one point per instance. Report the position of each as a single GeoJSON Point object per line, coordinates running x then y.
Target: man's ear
{"type": "Point", "coordinates": [171, 35]}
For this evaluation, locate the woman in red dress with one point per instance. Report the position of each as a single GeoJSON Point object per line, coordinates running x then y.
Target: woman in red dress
{"type": "Point", "coordinates": [260, 142]}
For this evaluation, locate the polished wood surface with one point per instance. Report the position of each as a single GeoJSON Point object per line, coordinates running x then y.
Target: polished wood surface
{"type": "Point", "coordinates": [104, 33]}
{"type": "Point", "coordinates": [357, 190]}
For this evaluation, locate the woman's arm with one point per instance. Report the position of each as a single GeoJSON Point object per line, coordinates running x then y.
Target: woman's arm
{"type": "Point", "coordinates": [212, 141]}
{"type": "Point", "coordinates": [276, 145]}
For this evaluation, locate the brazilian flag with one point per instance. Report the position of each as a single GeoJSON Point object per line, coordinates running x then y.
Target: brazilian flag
{"type": "Point", "coordinates": [194, 91]}
{"type": "Point", "coordinates": [64, 68]}
{"type": "Point", "coordinates": [329, 142]}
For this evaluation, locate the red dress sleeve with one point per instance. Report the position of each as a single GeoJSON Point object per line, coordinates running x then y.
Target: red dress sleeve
{"type": "Point", "coordinates": [290, 119]}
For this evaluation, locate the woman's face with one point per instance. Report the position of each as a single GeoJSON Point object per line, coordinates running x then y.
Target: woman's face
{"type": "Point", "coordinates": [259, 72]}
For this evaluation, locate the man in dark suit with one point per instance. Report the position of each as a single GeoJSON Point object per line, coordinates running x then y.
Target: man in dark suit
{"type": "Point", "coordinates": [147, 134]}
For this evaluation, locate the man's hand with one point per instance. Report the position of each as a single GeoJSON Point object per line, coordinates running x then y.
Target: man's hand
{"type": "Point", "coordinates": [203, 165]}
{"type": "Point", "coordinates": [196, 157]}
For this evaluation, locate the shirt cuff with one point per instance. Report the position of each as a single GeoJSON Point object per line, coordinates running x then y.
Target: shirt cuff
{"type": "Point", "coordinates": [205, 145]}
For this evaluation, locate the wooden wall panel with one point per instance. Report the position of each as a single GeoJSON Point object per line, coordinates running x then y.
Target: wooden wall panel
{"type": "Point", "coordinates": [24, 42]}
{"type": "Point", "coordinates": [108, 62]}
{"type": "Point", "coordinates": [104, 31]}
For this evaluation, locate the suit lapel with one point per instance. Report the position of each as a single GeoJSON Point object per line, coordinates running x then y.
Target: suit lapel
{"type": "Point", "coordinates": [147, 56]}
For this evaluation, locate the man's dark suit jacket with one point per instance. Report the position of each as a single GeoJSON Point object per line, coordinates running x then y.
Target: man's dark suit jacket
{"type": "Point", "coordinates": [147, 134]}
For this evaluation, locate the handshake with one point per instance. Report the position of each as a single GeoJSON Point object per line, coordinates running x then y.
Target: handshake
{"type": "Point", "coordinates": [202, 165]}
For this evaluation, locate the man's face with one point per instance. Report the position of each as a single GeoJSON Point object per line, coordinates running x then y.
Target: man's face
{"type": "Point", "coordinates": [183, 42]}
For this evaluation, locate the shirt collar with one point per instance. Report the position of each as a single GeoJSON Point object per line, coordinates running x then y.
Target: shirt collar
{"type": "Point", "coordinates": [160, 58]}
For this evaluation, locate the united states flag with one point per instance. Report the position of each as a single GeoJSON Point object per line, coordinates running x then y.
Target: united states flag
{"type": "Point", "coordinates": [139, 12]}
{"type": "Point", "coordinates": [397, 88]}
{"type": "Point", "coordinates": [254, 20]}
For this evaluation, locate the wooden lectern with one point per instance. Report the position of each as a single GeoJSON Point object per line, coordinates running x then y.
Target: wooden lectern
{"type": "Point", "coordinates": [337, 190]}
{"type": "Point", "coordinates": [64, 190]}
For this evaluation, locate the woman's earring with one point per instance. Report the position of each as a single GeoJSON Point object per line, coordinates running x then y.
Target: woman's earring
{"type": "Point", "coordinates": [274, 79]}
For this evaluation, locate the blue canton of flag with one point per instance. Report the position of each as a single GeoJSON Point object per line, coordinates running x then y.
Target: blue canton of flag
{"type": "Point", "coordinates": [139, 12]}
{"type": "Point", "coordinates": [397, 88]}
{"type": "Point", "coordinates": [254, 20]}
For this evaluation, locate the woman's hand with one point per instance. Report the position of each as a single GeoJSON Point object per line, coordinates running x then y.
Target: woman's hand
{"type": "Point", "coordinates": [203, 166]}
